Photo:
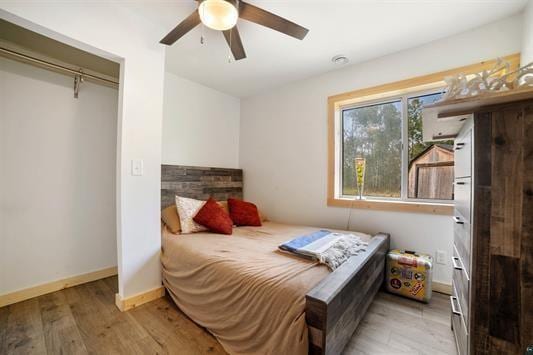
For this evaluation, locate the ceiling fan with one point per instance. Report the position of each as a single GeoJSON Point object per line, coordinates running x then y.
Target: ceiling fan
{"type": "Point", "coordinates": [222, 15]}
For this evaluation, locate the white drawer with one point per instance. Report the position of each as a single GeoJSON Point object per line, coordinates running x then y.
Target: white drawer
{"type": "Point", "coordinates": [459, 327]}
{"type": "Point", "coordinates": [462, 240]}
{"type": "Point", "coordinates": [462, 284]}
{"type": "Point", "coordinates": [463, 196]}
{"type": "Point", "coordinates": [463, 154]}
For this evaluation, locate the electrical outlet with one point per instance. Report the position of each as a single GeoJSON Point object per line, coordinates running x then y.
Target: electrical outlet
{"type": "Point", "coordinates": [441, 257]}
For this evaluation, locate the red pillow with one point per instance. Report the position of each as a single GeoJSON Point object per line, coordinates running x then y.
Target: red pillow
{"type": "Point", "coordinates": [243, 213]}
{"type": "Point", "coordinates": [214, 218]}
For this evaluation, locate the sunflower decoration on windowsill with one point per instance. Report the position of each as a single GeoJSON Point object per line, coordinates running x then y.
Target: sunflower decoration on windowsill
{"type": "Point", "coordinates": [360, 175]}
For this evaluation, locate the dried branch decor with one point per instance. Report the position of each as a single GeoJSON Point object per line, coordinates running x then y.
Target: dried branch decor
{"type": "Point", "coordinates": [499, 78]}
{"type": "Point", "coordinates": [360, 175]}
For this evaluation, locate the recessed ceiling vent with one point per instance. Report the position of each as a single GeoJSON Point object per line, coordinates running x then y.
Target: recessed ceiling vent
{"type": "Point", "coordinates": [340, 59]}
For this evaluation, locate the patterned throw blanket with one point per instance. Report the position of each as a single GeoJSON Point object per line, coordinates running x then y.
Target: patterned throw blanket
{"type": "Point", "coordinates": [326, 247]}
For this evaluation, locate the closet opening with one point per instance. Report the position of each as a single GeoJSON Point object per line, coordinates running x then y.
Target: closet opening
{"type": "Point", "coordinates": [58, 167]}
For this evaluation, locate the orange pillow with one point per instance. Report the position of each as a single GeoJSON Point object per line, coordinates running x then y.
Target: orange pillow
{"type": "Point", "coordinates": [170, 216]}
{"type": "Point", "coordinates": [213, 217]}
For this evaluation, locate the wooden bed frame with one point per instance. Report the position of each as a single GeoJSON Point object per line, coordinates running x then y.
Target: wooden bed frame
{"type": "Point", "coordinates": [337, 304]}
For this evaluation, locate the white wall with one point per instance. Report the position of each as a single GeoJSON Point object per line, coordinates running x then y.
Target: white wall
{"type": "Point", "coordinates": [527, 40]}
{"type": "Point", "coordinates": [283, 144]}
{"type": "Point", "coordinates": [200, 125]}
{"type": "Point", "coordinates": [57, 168]}
{"type": "Point", "coordinates": [111, 30]}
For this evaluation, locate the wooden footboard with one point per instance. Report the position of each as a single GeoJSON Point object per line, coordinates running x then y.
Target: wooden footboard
{"type": "Point", "coordinates": [337, 304]}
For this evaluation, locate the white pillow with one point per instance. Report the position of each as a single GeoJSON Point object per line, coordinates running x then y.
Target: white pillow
{"type": "Point", "coordinates": [187, 209]}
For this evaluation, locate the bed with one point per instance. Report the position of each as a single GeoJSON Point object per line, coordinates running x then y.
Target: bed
{"type": "Point", "coordinates": [256, 299]}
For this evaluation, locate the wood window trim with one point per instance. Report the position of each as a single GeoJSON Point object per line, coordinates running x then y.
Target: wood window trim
{"type": "Point", "coordinates": [393, 205]}
{"type": "Point", "coordinates": [401, 87]}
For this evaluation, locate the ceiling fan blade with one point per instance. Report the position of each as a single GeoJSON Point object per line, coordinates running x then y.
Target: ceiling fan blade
{"type": "Point", "coordinates": [262, 17]}
{"type": "Point", "coordinates": [233, 38]}
{"type": "Point", "coordinates": [180, 30]}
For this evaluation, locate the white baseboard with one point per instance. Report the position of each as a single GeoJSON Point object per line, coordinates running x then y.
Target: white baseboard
{"type": "Point", "coordinates": [39, 290]}
{"type": "Point", "coordinates": [125, 304]}
{"type": "Point", "coordinates": [442, 288]}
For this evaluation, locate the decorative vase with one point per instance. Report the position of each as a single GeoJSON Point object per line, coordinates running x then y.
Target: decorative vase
{"type": "Point", "coordinates": [360, 175]}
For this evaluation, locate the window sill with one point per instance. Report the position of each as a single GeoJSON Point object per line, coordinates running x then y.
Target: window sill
{"type": "Point", "coordinates": [397, 206]}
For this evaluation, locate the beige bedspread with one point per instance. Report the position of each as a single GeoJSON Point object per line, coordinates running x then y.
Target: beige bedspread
{"type": "Point", "coordinates": [241, 288]}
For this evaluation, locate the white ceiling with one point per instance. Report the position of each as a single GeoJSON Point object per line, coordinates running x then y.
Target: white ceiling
{"type": "Point", "coordinates": [359, 29]}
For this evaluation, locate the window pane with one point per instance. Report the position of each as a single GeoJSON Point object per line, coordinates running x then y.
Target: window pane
{"type": "Point", "coordinates": [430, 163]}
{"type": "Point", "coordinates": [373, 133]}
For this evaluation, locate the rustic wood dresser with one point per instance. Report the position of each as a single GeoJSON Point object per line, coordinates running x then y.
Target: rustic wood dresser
{"type": "Point", "coordinates": [492, 291]}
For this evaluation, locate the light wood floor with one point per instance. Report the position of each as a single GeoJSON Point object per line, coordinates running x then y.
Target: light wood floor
{"type": "Point", "coordinates": [395, 325]}
{"type": "Point", "coordinates": [84, 319]}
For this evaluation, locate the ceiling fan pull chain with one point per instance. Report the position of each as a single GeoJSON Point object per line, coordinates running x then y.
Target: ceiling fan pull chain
{"type": "Point", "coordinates": [229, 52]}
{"type": "Point", "coordinates": [202, 40]}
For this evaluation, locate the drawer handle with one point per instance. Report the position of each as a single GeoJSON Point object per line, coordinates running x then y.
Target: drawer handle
{"type": "Point", "coordinates": [454, 263]}
{"type": "Point", "coordinates": [458, 220]}
{"type": "Point", "coordinates": [454, 310]}
{"type": "Point", "coordinates": [458, 146]}
{"type": "Point", "coordinates": [460, 183]}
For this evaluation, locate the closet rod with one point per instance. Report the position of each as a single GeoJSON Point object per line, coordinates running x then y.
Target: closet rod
{"type": "Point", "coordinates": [56, 66]}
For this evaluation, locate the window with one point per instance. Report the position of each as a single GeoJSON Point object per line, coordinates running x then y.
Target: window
{"type": "Point", "coordinates": [373, 132]}
{"type": "Point", "coordinates": [382, 127]}
{"type": "Point", "coordinates": [430, 170]}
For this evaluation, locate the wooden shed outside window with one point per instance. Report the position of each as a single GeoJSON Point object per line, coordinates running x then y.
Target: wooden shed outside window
{"type": "Point", "coordinates": [431, 173]}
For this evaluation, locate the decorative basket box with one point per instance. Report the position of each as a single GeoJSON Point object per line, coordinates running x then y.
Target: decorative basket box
{"type": "Point", "coordinates": [409, 274]}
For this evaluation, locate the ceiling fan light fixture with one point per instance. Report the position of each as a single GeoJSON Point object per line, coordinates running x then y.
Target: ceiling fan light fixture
{"type": "Point", "coordinates": [220, 15]}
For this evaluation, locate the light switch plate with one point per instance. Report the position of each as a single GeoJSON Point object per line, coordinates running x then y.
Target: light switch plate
{"type": "Point", "coordinates": [137, 167]}
{"type": "Point", "coordinates": [441, 257]}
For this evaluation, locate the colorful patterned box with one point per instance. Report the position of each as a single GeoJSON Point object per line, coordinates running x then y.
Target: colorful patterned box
{"type": "Point", "coordinates": [409, 274]}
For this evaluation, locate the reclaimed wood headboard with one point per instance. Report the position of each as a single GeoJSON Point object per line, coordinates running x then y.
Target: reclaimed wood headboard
{"type": "Point", "coordinates": [199, 183]}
